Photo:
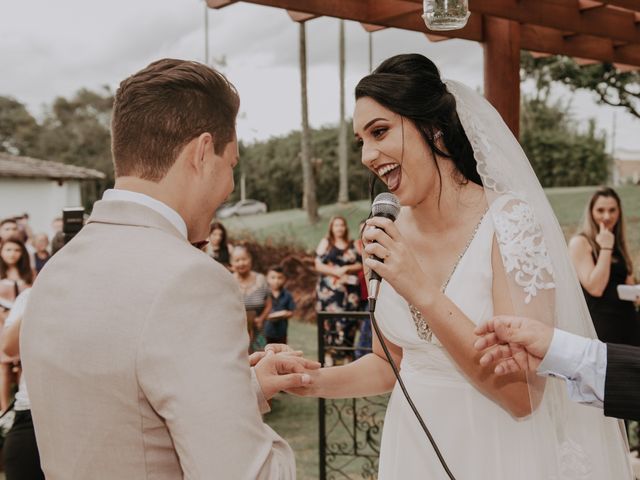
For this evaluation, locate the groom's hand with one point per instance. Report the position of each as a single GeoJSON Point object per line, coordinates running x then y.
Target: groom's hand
{"type": "Point", "coordinates": [281, 348]}
{"type": "Point", "coordinates": [515, 343]}
{"type": "Point", "coordinates": [276, 372]}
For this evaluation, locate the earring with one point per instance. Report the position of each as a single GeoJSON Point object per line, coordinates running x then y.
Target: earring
{"type": "Point", "coordinates": [437, 135]}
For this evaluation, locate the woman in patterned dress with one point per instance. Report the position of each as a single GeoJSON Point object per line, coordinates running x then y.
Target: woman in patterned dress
{"type": "Point", "coordinates": [338, 290]}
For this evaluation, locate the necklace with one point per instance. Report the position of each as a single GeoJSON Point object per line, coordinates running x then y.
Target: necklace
{"type": "Point", "coordinates": [424, 331]}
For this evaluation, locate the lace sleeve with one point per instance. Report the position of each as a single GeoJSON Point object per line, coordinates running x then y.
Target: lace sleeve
{"type": "Point", "coordinates": [523, 249]}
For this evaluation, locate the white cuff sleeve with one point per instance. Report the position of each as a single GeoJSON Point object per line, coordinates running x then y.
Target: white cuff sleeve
{"type": "Point", "coordinates": [581, 362]}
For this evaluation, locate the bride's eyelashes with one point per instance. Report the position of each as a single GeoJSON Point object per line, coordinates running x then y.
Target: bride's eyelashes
{"type": "Point", "coordinates": [379, 132]}
{"type": "Point", "coordinates": [376, 133]}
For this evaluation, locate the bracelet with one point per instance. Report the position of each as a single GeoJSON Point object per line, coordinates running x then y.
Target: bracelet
{"type": "Point", "coordinates": [606, 249]}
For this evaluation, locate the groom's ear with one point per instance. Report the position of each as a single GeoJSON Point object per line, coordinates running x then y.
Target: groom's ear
{"type": "Point", "coordinates": [198, 152]}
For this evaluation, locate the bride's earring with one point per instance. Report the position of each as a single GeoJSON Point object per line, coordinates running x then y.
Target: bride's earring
{"type": "Point", "coordinates": [437, 135]}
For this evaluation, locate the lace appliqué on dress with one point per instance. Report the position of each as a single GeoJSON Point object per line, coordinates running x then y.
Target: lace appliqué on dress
{"type": "Point", "coordinates": [523, 249]}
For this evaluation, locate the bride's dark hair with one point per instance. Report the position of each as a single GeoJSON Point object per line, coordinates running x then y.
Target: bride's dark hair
{"type": "Point", "coordinates": [410, 86]}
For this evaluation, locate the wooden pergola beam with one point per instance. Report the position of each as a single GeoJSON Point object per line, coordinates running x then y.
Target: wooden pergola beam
{"type": "Point", "coordinates": [220, 3]}
{"type": "Point", "coordinates": [368, 27]}
{"type": "Point", "coordinates": [542, 39]}
{"type": "Point", "coordinates": [628, 4]}
{"type": "Point", "coordinates": [404, 13]}
{"type": "Point", "coordinates": [436, 38]}
{"type": "Point", "coordinates": [625, 68]}
{"type": "Point", "coordinates": [612, 23]}
{"type": "Point", "coordinates": [380, 11]}
{"type": "Point", "coordinates": [602, 22]}
{"type": "Point", "coordinates": [502, 69]}
{"type": "Point", "coordinates": [301, 17]}
{"type": "Point", "coordinates": [527, 12]}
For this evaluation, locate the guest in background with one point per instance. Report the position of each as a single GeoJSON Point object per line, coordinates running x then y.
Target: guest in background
{"type": "Point", "coordinates": [364, 337]}
{"type": "Point", "coordinates": [15, 268]}
{"type": "Point", "coordinates": [256, 295]}
{"type": "Point", "coordinates": [41, 254]}
{"type": "Point", "coordinates": [219, 247]}
{"type": "Point", "coordinates": [56, 226]}
{"type": "Point", "coordinates": [601, 258]}
{"type": "Point", "coordinates": [14, 263]}
{"type": "Point", "coordinates": [25, 233]}
{"type": "Point", "coordinates": [8, 229]}
{"type": "Point", "coordinates": [282, 307]}
{"type": "Point", "coordinates": [20, 451]}
{"type": "Point", "coordinates": [21, 458]}
{"type": "Point", "coordinates": [338, 290]}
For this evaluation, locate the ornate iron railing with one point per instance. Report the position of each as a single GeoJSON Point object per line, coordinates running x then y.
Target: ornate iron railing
{"type": "Point", "coordinates": [349, 429]}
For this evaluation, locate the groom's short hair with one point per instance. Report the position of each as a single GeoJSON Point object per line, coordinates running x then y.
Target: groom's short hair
{"type": "Point", "coordinates": [161, 108]}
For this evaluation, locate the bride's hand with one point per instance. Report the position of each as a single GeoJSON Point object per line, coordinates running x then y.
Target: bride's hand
{"type": "Point", "coordinates": [400, 267]}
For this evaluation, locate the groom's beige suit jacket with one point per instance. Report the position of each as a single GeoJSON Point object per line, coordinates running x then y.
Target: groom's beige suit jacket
{"type": "Point", "coordinates": [134, 347]}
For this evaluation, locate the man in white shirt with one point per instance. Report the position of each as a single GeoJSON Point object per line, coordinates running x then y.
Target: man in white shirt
{"type": "Point", "coordinates": [598, 374]}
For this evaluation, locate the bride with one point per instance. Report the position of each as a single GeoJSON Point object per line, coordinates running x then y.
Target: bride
{"type": "Point", "coordinates": [475, 237]}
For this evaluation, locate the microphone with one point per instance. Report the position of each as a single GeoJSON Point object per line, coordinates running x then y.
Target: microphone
{"type": "Point", "coordinates": [385, 205]}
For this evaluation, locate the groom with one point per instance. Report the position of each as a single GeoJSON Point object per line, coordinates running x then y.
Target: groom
{"type": "Point", "coordinates": [134, 342]}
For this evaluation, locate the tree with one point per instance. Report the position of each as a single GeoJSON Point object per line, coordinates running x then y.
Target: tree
{"type": "Point", "coordinates": [274, 176]}
{"type": "Point", "coordinates": [76, 131]}
{"type": "Point", "coordinates": [612, 87]}
{"type": "Point", "coordinates": [308, 179]}
{"type": "Point", "coordinates": [19, 131]}
{"type": "Point", "coordinates": [559, 153]}
{"type": "Point", "coordinates": [343, 191]}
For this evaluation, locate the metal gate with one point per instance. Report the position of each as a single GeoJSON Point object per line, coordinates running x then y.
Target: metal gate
{"type": "Point", "coordinates": [349, 429]}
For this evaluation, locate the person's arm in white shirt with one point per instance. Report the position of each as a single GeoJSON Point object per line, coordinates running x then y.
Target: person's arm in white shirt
{"type": "Point", "coordinates": [515, 343]}
{"type": "Point", "coordinates": [581, 362]}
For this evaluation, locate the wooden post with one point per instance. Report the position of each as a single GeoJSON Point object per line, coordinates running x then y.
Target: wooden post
{"type": "Point", "coordinates": [502, 68]}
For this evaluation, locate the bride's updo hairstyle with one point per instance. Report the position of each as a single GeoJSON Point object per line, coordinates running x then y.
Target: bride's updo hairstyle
{"type": "Point", "coordinates": [410, 86]}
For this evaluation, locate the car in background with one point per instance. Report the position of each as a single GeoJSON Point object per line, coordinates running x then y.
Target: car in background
{"type": "Point", "coordinates": [243, 207]}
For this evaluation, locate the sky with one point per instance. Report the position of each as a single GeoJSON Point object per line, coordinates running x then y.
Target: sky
{"type": "Point", "coordinates": [50, 49]}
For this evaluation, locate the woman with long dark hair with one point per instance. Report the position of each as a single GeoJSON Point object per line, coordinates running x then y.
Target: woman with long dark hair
{"type": "Point", "coordinates": [602, 261]}
{"type": "Point", "coordinates": [16, 275]}
{"type": "Point", "coordinates": [475, 237]}
{"type": "Point", "coordinates": [219, 247]}
{"type": "Point", "coordinates": [338, 289]}
{"type": "Point", "coordinates": [14, 263]}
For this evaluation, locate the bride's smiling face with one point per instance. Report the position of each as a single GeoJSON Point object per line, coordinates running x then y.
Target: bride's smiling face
{"type": "Point", "coordinates": [395, 151]}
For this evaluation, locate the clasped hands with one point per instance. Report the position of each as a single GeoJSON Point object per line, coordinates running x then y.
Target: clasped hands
{"type": "Point", "coordinates": [280, 367]}
{"type": "Point", "coordinates": [513, 344]}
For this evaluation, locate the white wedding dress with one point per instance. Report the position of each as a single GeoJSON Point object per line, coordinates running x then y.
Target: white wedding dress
{"type": "Point", "coordinates": [478, 439]}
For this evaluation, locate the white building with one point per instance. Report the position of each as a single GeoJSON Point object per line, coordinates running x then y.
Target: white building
{"type": "Point", "coordinates": [40, 188]}
{"type": "Point", "coordinates": [626, 167]}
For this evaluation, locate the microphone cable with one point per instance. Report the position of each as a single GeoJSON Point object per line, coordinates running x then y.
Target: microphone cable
{"type": "Point", "coordinates": [396, 372]}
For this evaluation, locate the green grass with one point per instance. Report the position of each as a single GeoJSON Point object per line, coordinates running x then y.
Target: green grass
{"type": "Point", "coordinates": [296, 419]}
{"type": "Point", "coordinates": [290, 226]}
